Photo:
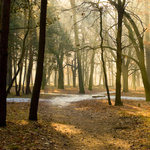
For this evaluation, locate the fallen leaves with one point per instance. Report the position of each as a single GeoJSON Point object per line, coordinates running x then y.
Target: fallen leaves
{"type": "Point", "coordinates": [91, 124]}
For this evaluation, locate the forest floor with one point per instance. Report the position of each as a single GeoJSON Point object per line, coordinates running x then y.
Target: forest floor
{"type": "Point", "coordinates": [83, 125]}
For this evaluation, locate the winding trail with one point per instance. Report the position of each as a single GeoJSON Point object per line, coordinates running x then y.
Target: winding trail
{"type": "Point", "coordinates": [65, 99]}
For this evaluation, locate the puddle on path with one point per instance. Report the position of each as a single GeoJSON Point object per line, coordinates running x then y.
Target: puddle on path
{"type": "Point", "coordinates": [65, 99]}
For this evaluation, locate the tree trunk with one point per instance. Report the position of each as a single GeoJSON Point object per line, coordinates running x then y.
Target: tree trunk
{"type": "Point", "coordinates": [55, 80]}
{"type": "Point", "coordinates": [147, 45]}
{"type": "Point", "coordinates": [102, 56]}
{"type": "Point", "coordinates": [39, 71]}
{"type": "Point", "coordinates": [81, 86]}
{"type": "Point", "coordinates": [112, 74]}
{"type": "Point", "coordinates": [60, 71]}
{"type": "Point", "coordinates": [125, 77]}
{"type": "Point", "coordinates": [120, 10]}
{"type": "Point", "coordinates": [28, 90]}
{"type": "Point", "coordinates": [44, 78]}
{"type": "Point", "coordinates": [49, 74]}
{"type": "Point", "coordinates": [92, 71]}
{"type": "Point", "coordinates": [86, 73]}
{"type": "Point", "coordinates": [73, 68]}
{"type": "Point", "coordinates": [19, 85]}
{"type": "Point", "coordinates": [68, 73]}
{"type": "Point", "coordinates": [25, 74]}
{"type": "Point", "coordinates": [145, 81]}
{"type": "Point", "coordinates": [80, 76]}
{"type": "Point", "coordinates": [19, 63]}
{"type": "Point", "coordinates": [9, 69]}
{"type": "Point", "coordinates": [5, 17]}
{"type": "Point", "coordinates": [134, 80]}
{"type": "Point", "coordinates": [61, 75]}
{"type": "Point", "coordinates": [140, 54]}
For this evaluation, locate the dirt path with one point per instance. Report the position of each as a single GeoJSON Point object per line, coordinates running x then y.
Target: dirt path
{"type": "Point", "coordinates": [93, 125]}
{"type": "Point", "coordinates": [87, 130]}
{"type": "Point", "coordinates": [83, 125]}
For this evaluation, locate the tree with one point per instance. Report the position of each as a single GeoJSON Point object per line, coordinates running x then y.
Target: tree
{"type": "Point", "coordinates": [138, 46]}
{"type": "Point", "coordinates": [80, 76]}
{"type": "Point", "coordinates": [102, 55]}
{"type": "Point", "coordinates": [39, 71]}
{"type": "Point", "coordinates": [139, 49]}
{"type": "Point", "coordinates": [92, 70]}
{"type": "Point", "coordinates": [147, 38]}
{"type": "Point", "coordinates": [16, 18]}
{"type": "Point", "coordinates": [4, 27]}
{"type": "Point", "coordinates": [120, 10]}
{"type": "Point", "coordinates": [58, 44]}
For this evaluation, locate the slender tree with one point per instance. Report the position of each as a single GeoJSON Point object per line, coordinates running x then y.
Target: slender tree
{"type": "Point", "coordinates": [102, 55]}
{"type": "Point", "coordinates": [39, 71]}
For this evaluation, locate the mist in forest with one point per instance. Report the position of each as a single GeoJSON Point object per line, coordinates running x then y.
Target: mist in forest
{"type": "Point", "coordinates": [73, 44]}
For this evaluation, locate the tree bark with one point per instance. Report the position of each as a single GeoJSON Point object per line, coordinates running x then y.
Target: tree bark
{"type": "Point", "coordinates": [61, 76]}
{"type": "Point", "coordinates": [147, 38]}
{"type": "Point", "coordinates": [80, 76]}
{"type": "Point", "coordinates": [28, 90]}
{"type": "Point", "coordinates": [102, 56]}
{"type": "Point", "coordinates": [140, 54]}
{"type": "Point", "coordinates": [68, 72]}
{"type": "Point", "coordinates": [92, 71]}
{"type": "Point", "coordinates": [120, 10]}
{"type": "Point", "coordinates": [44, 78]}
{"type": "Point", "coordinates": [125, 78]}
{"type": "Point", "coordinates": [73, 68]}
{"type": "Point", "coordinates": [19, 63]}
{"type": "Point", "coordinates": [9, 68]}
{"type": "Point", "coordinates": [39, 71]}
{"type": "Point", "coordinates": [60, 71]}
{"type": "Point", "coordinates": [3, 58]}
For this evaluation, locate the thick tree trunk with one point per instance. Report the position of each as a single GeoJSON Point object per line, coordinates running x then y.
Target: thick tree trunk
{"type": "Point", "coordinates": [39, 71]}
{"type": "Point", "coordinates": [145, 81]}
{"type": "Point", "coordinates": [139, 53]}
{"type": "Point", "coordinates": [9, 69]}
{"type": "Point", "coordinates": [81, 86]}
{"type": "Point", "coordinates": [60, 71]}
{"type": "Point", "coordinates": [120, 10]}
{"type": "Point", "coordinates": [147, 45]}
{"type": "Point", "coordinates": [5, 16]}
{"type": "Point", "coordinates": [147, 48]}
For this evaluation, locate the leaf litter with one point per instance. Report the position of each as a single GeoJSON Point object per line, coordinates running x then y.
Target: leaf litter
{"type": "Point", "coordinates": [83, 125]}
